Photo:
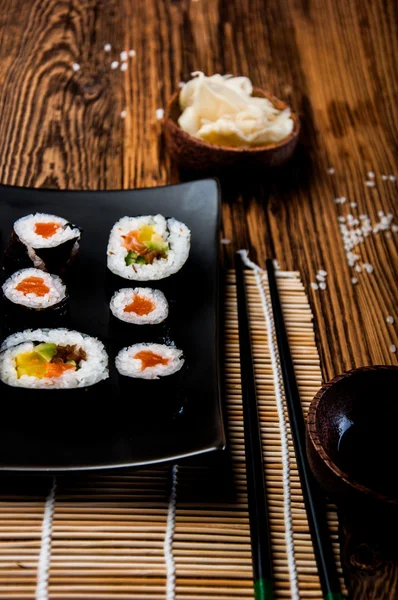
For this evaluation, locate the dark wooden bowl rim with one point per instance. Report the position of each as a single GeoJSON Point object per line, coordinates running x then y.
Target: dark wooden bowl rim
{"type": "Point", "coordinates": [317, 444]}
{"type": "Point", "coordinates": [190, 139]}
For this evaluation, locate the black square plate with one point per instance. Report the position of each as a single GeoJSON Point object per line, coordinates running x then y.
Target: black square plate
{"type": "Point", "coordinates": [144, 422]}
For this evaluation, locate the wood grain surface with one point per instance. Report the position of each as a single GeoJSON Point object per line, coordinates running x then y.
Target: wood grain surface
{"type": "Point", "coordinates": [335, 61]}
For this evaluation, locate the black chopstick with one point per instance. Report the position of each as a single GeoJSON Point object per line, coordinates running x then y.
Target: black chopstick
{"type": "Point", "coordinates": [313, 497]}
{"type": "Point", "coordinates": [257, 499]}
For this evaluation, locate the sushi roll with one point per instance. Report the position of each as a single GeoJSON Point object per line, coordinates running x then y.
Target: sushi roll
{"type": "Point", "coordinates": [52, 359]}
{"type": "Point", "coordinates": [149, 361]}
{"type": "Point", "coordinates": [139, 306]}
{"type": "Point", "coordinates": [46, 242]}
{"type": "Point", "coordinates": [31, 296]}
{"type": "Point", "coordinates": [147, 248]}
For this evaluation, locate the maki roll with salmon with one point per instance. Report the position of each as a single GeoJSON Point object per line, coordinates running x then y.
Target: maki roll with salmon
{"type": "Point", "coordinates": [52, 359]}
{"type": "Point", "coordinates": [149, 361]}
{"type": "Point", "coordinates": [147, 248]}
{"type": "Point", "coordinates": [139, 306]}
{"type": "Point", "coordinates": [33, 297]}
{"type": "Point", "coordinates": [43, 241]}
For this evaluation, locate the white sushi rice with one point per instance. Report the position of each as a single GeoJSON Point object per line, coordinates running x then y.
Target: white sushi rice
{"type": "Point", "coordinates": [25, 230]}
{"type": "Point", "coordinates": [124, 297]}
{"type": "Point", "coordinates": [174, 232]}
{"type": "Point", "coordinates": [53, 282]}
{"type": "Point", "coordinates": [91, 371]}
{"type": "Point", "coordinates": [129, 366]}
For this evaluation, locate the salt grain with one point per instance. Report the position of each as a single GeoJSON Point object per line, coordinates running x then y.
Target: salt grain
{"type": "Point", "coordinates": [314, 285]}
{"type": "Point", "coordinates": [322, 272]}
{"type": "Point", "coordinates": [225, 241]}
{"type": "Point", "coordinates": [353, 205]}
{"type": "Point", "coordinates": [358, 268]}
{"type": "Point", "coordinates": [276, 265]}
{"type": "Point", "coordinates": [354, 280]}
{"type": "Point", "coordinates": [341, 219]}
{"type": "Point", "coordinates": [322, 285]}
{"type": "Point", "coordinates": [392, 178]}
{"type": "Point", "coordinates": [131, 53]}
{"type": "Point", "coordinates": [114, 64]}
{"type": "Point", "coordinates": [123, 114]}
{"type": "Point", "coordinates": [388, 235]}
{"type": "Point", "coordinates": [159, 113]}
{"type": "Point", "coordinates": [380, 213]}
{"type": "Point", "coordinates": [76, 67]}
{"type": "Point", "coordinates": [368, 267]}
{"type": "Point", "coordinates": [393, 348]}
{"type": "Point", "coordinates": [320, 277]}
{"type": "Point", "coordinates": [331, 171]}
{"type": "Point", "coordinates": [124, 66]}
{"type": "Point", "coordinates": [124, 56]}
{"type": "Point", "coordinates": [384, 177]}
{"type": "Point", "coordinates": [371, 175]}
{"type": "Point", "coordinates": [181, 84]}
{"type": "Point", "coordinates": [370, 183]}
{"type": "Point", "coordinates": [394, 228]}
{"type": "Point", "coordinates": [107, 47]}
{"type": "Point", "coordinates": [390, 319]}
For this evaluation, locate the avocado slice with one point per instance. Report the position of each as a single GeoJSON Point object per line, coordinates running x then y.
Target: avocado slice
{"type": "Point", "coordinates": [130, 258]}
{"type": "Point", "coordinates": [46, 350]}
{"type": "Point", "coordinates": [140, 260]}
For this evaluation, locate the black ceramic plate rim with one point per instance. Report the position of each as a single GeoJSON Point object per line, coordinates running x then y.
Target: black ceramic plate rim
{"type": "Point", "coordinates": [172, 458]}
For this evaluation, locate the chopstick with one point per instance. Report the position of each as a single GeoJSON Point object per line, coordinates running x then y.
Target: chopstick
{"type": "Point", "coordinates": [313, 497]}
{"type": "Point", "coordinates": [258, 510]}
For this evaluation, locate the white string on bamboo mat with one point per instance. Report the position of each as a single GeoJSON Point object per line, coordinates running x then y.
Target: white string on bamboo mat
{"type": "Point", "coordinates": [280, 400]}
{"type": "Point", "coordinates": [43, 566]}
{"type": "Point", "coordinates": [168, 540]}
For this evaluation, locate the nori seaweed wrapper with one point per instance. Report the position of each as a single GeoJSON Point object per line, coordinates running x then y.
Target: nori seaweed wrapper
{"type": "Point", "coordinates": [53, 260]}
{"type": "Point", "coordinates": [17, 317]}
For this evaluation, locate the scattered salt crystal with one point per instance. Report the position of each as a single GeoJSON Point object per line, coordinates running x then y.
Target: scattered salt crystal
{"type": "Point", "coordinates": [392, 178]}
{"type": "Point", "coordinates": [368, 267]}
{"type": "Point", "coordinates": [384, 177]}
{"type": "Point", "coordinates": [388, 235]}
{"type": "Point", "coordinates": [107, 47]}
{"type": "Point", "coordinates": [380, 213]}
{"type": "Point", "coordinates": [314, 285]}
{"type": "Point", "coordinates": [131, 53]}
{"type": "Point", "coordinates": [123, 66]}
{"type": "Point", "coordinates": [393, 348]}
{"type": "Point", "coordinates": [276, 265]}
{"type": "Point", "coordinates": [114, 64]}
{"type": "Point", "coordinates": [354, 280]}
{"type": "Point", "coordinates": [322, 285]}
{"type": "Point", "coordinates": [331, 170]}
{"type": "Point", "coordinates": [320, 277]}
{"type": "Point", "coordinates": [370, 183]}
{"type": "Point", "coordinates": [394, 228]}
{"type": "Point", "coordinates": [353, 204]}
{"type": "Point", "coordinates": [341, 219]}
{"type": "Point", "coordinates": [76, 67]}
{"type": "Point", "coordinates": [123, 114]}
{"type": "Point", "coordinates": [358, 268]}
{"type": "Point", "coordinates": [371, 175]}
{"type": "Point", "coordinates": [390, 319]}
{"type": "Point", "coordinates": [159, 113]}
{"type": "Point", "coordinates": [322, 272]}
{"type": "Point", "coordinates": [124, 56]}
{"type": "Point", "coordinates": [181, 84]}
{"type": "Point", "coordinates": [225, 241]}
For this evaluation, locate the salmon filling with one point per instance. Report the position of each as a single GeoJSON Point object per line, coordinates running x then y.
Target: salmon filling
{"type": "Point", "coordinates": [140, 306]}
{"type": "Point", "coordinates": [33, 285]}
{"type": "Point", "coordinates": [144, 245]}
{"type": "Point", "coordinates": [46, 230]}
{"type": "Point", "coordinates": [150, 359]}
{"type": "Point", "coordinates": [49, 360]}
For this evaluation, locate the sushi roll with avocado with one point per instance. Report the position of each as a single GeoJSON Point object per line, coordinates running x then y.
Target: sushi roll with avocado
{"type": "Point", "coordinates": [147, 248]}
{"type": "Point", "coordinates": [52, 359]}
{"type": "Point", "coordinates": [139, 306]}
{"type": "Point", "coordinates": [149, 361]}
{"type": "Point", "coordinates": [43, 241]}
{"type": "Point", "coordinates": [33, 297]}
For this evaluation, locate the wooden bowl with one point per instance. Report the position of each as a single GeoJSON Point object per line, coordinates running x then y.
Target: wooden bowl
{"type": "Point", "coordinates": [194, 154]}
{"type": "Point", "coordinates": [352, 441]}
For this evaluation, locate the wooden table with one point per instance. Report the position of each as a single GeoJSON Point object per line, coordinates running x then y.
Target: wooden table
{"type": "Point", "coordinates": [63, 125]}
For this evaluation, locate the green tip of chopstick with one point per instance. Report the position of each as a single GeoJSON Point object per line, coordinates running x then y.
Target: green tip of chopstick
{"type": "Point", "coordinates": [263, 590]}
{"type": "Point", "coordinates": [334, 596]}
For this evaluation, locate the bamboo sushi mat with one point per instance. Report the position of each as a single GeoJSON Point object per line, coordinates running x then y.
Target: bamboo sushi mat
{"type": "Point", "coordinates": [109, 530]}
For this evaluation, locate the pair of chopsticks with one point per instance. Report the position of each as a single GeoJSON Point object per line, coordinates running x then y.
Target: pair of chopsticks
{"type": "Point", "coordinates": [313, 498]}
